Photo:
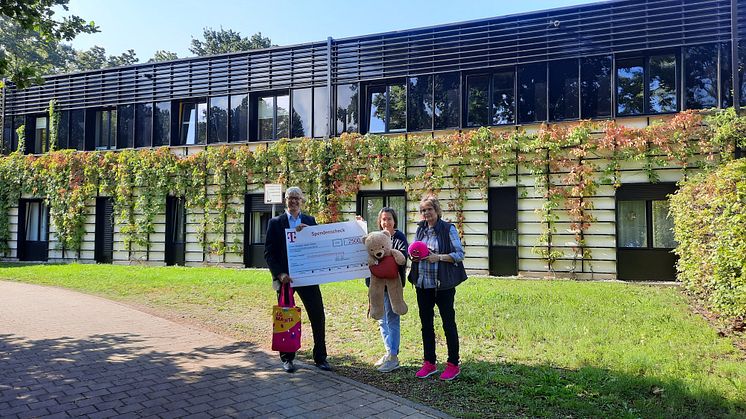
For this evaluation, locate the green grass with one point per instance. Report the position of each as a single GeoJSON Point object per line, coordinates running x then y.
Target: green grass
{"type": "Point", "coordinates": [528, 348]}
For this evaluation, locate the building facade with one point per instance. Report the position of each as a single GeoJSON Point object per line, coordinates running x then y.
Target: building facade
{"type": "Point", "coordinates": [632, 61]}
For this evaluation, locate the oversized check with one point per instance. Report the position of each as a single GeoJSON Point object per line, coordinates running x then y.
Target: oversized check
{"type": "Point", "coordinates": [327, 253]}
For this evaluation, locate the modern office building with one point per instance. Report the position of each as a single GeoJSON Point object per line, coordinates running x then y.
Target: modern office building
{"type": "Point", "coordinates": [630, 60]}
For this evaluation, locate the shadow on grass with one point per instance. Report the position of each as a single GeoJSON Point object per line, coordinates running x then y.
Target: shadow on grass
{"type": "Point", "coordinates": [486, 389]}
{"type": "Point", "coordinates": [121, 374]}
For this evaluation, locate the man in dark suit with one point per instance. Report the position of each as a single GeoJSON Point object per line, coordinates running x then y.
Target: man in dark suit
{"type": "Point", "coordinates": [275, 253]}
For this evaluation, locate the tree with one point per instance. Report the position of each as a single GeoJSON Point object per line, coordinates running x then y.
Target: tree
{"type": "Point", "coordinates": [224, 41]}
{"type": "Point", "coordinates": [163, 55]}
{"type": "Point", "coordinates": [38, 17]}
{"type": "Point", "coordinates": [25, 48]}
{"type": "Point", "coordinates": [95, 58]}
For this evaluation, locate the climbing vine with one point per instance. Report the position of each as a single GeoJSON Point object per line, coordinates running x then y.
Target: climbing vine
{"type": "Point", "coordinates": [567, 164]}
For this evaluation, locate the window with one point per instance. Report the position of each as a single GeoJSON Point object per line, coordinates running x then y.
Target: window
{"type": "Point", "coordinates": [387, 108]}
{"type": "Point", "coordinates": [106, 129]}
{"type": "Point", "coordinates": [647, 85]}
{"type": "Point", "coordinates": [370, 203]}
{"type": "Point", "coordinates": [595, 87]}
{"type": "Point", "coordinates": [700, 76]}
{"type": "Point", "coordinates": [662, 84]}
{"type": "Point", "coordinates": [433, 102]}
{"type": "Point", "coordinates": [162, 124]}
{"type": "Point", "coordinates": [143, 125]}
{"type": "Point", "coordinates": [36, 221]}
{"type": "Point", "coordinates": [644, 223]}
{"type": "Point", "coordinates": [126, 126]}
{"type": "Point", "coordinates": [63, 130]}
{"type": "Point", "coordinates": [564, 92]}
{"type": "Point", "coordinates": [478, 100]}
{"type": "Point", "coordinates": [320, 112]}
{"type": "Point", "coordinates": [346, 109]}
{"type": "Point", "coordinates": [218, 120]}
{"type": "Point", "coordinates": [726, 79]}
{"type": "Point", "coordinates": [420, 103]}
{"type": "Point", "coordinates": [532, 93]}
{"type": "Point", "coordinates": [239, 118]}
{"type": "Point", "coordinates": [300, 122]}
{"type": "Point", "coordinates": [630, 94]}
{"type": "Point", "coordinates": [193, 123]}
{"type": "Point", "coordinates": [77, 129]}
{"type": "Point", "coordinates": [41, 135]}
{"type": "Point", "coordinates": [274, 117]}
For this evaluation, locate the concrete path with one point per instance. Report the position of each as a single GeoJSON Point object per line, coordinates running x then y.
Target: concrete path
{"type": "Point", "coordinates": [66, 354]}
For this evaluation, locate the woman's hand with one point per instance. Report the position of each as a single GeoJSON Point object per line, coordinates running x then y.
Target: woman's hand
{"type": "Point", "coordinates": [433, 258]}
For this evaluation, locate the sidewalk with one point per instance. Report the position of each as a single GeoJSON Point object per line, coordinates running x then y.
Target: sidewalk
{"type": "Point", "coordinates": [65, 354]}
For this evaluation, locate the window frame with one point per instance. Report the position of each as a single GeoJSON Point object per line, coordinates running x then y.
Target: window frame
{"type": "Point", "coordinates": [111, 142]}
{"type": "Point", "coordinates": [386, 195]}
{"type": "Point", "coordinates": [678, 83]}
{"type": "Point", "coordinates": [386, 85]}
{"type": "Point", "coordinates": [254, 99]}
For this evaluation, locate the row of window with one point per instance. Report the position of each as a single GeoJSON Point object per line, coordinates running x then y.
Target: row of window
{"type": "Point", "coordinates": [694, 77]}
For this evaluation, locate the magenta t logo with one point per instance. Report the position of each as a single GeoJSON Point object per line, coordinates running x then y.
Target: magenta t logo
{"type": "Point", "coordinates": [291, 236]}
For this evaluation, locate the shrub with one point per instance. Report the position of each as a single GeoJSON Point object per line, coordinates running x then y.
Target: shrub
{"type": "Point", "coordinates": [709, 213]}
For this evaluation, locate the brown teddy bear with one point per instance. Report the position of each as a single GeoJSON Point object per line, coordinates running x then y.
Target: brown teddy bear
{"type": "Point", "coordinates": [384, 262]}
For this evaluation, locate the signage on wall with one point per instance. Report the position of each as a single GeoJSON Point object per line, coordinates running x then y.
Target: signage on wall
{"type": "Point", "coordinates": [272, 193]}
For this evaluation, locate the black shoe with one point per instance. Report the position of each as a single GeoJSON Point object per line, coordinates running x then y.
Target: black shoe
{"type": "Point", "coordinates": [324, 366]}
{"type": "Point", "coordinates": [288, 366]}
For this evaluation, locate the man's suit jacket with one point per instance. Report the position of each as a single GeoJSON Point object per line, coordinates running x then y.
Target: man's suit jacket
{"type": "Point", "coordinates": [275, 251]}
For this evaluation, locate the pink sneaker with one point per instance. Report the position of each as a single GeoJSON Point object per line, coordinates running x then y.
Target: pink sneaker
{"type": "Point", "coordinates": [451, 372]}
{"type": "Point", "coordinates": [428, 369]}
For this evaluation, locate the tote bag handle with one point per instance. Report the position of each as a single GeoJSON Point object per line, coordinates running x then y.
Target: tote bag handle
{"type": "Point", "coordinates": [286, 295]}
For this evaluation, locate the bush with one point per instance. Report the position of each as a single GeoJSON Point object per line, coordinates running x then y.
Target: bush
{"type": "Point", "coordinates": [709, 214]}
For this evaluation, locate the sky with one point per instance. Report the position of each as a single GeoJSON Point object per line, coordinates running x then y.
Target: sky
{"type": "Point", "coordinates": [150, 25]}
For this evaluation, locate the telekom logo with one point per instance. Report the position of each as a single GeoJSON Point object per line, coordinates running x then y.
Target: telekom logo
{"type": "Point", "coordinates": [291, 236]}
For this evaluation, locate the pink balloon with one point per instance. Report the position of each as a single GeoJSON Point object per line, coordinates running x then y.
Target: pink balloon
{"type": "Point", "coordinates": [418, 249]}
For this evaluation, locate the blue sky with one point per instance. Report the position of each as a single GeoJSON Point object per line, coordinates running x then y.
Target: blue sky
{"type": "Point", "coordinates": [150, 25]}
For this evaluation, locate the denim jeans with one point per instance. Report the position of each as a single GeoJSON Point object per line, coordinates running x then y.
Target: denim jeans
{"type": "Point", "coordinates": [390, 326]}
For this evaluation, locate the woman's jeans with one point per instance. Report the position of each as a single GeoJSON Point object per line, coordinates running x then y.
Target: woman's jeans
{"type": "Point", "coordinates": [427, 299]}
{"type": "Point", "coordinates": [390, 326]}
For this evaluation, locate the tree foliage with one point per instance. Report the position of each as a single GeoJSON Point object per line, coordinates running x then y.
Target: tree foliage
{"type": "Point", "coordinates": [37, 17]}
{"type": "Point", "coordinates": [163, 55]}
{"type": "Point", "coordinates": [227, 40]}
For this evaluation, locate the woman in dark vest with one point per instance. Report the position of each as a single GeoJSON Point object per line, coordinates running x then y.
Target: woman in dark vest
{"type": "Point", "coordinates": [435, 278]}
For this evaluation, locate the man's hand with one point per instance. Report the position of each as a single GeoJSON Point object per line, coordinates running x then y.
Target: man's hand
{"type": "Point", "coordinates": [301, 227]}
{"type": "Point", "coordinates": [284, 278]}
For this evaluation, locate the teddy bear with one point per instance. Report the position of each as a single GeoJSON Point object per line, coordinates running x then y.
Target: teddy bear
{"type": "Point", "coordinates": [383, 262]}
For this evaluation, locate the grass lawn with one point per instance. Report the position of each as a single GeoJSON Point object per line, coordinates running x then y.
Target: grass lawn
{"type": "Point", "coordinates": [528, 348]}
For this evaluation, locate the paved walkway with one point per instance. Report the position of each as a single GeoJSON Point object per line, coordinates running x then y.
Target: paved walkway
{"type": "Point", "coordinates": [66, 354]}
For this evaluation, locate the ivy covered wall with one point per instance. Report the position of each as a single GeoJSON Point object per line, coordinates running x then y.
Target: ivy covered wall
{"type": "Point", "coordinates": [565, 175]}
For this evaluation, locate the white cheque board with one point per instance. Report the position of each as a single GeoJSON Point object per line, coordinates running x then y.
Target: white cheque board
{"type": "Point", "coordinates": [327, 253]}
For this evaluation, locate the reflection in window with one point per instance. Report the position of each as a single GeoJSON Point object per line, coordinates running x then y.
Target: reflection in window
{"type": "Point", "coordinates": [563, 90]}
{"type": "Point", "coordinates": [125, 126]}
{"type": "Point", "coordinates": [662, 226]}
{"type": "Point", "coordinates": [41, 135]}
{"type": "Point", "coordinates": [218, 120]}
{"type": "Point", "coordinates": [420, 103]}
{"type": "Point", "coordinates": [387, 108]}
{"type": "Point", "coordinates": [239, 118]}
{"type": "Point", "coordinates": [346, 108]}
{"type": "Point", "coordinates": [274, 117]}
{"type": "Point", "coordinates": [507, 237]}
{"type": "Point", "coordinates": [143, 125]}
{"type": "Point", "coordinates": [106, 129]}
{"type": "Point", "coordinates": [630, 86]}
{"type": "Point", "coordinates": [633, 230]}
{"type": "Point", "coordinates": [595, 87]}
{"type": "Point", "coordinates": [63, 130]}
{"type": "Point", "coordinates": [503, 98]}
{"type": "Point", "coordinates": [700, 77]}
{"type": "Point", "coordinates": [478, 100]}
{"type": "Point", "coordinates": [36, 221]}
{"type": "Point", "coordinates": [320, 112]}
{"type": "Point", "coordinates": [259, 221]}
{"type": "Point", "coordinates": [77, 129]}
{"type": "Point", "coordinates": [178, 228]}
{"type": "Point", "coordinates": [532, 93]}
{"type": "Point", "coordinates": [162, 124]}
{"type": "Point", "coordinates": [447, 100]}
{"type": "Point", "coordinates": [193, 117]}
{"type": "Point", "coordinates": [266, 117]}
{"type": "Point", "coordinates": [662, 84]}
{"type": "Point", "coordinates": [300, 124]}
